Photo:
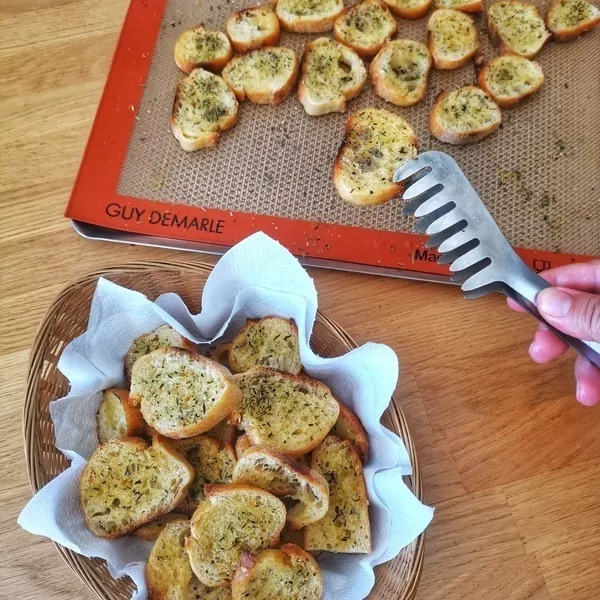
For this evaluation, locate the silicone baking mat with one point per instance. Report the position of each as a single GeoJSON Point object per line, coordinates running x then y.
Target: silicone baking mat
{"type": "Point", "coordinates": [539, 174]}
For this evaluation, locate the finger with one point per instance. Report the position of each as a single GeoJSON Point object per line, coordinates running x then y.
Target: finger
{"type": "Point", "coordinates": [578, 276]}
{"type": "Point", "coordinates": [588, 382]}
{"type": "Point", "coordinates": [570, 311]}
{"type": "Point", "coordinates": [546, 346]}
{"type": "Point", "coordinates": [512, 304]}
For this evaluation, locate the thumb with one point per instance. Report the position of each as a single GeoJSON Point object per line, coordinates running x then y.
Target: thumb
{"type": "Point", "coordinates": [572, 312]}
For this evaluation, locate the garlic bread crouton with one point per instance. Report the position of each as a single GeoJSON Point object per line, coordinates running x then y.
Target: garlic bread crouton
{"type": "Point", "coordinates": [291, 414]}
{"type": "Point", "coordinates": [348, 427]}
{"type": "Point", "coordinates": [242, 444]}
{"type": "Point", "coordinates": [182, 394]}
{"type": "Point", "coordinates": [286, 574]}
{"type": "Point", "coordinates": [517, 28]}
{"type": "Point", "coordinates": [204, 107]}
{"type": "Point", "coordinates": [332, 73]}
{"type": "Point", "coordinates": [409, 9]}
{"type": "Point", "coordinates": [127, 483]}
{"type": "Point", "coordinates": [467, 6]}
{"type": "Point", "coordinates": [365, 27]}
{"type": "Point", "coordinates": [118, 417]}
{"type": "Point", "coordinates": [509, 79]}
{"type": "Point", "coordinates": [568, 19]}
{"type": "Point", "coordinates": [253, 28]}
{"type": "Point", "coordinates": [213, 464]}
{"type": "Point", "coordinates": [308, 16]}
{"type": "Point", "coordinates": [399, 72]}
{"type": "Point", "coordinates": [377, 142]}
{"type": "Point", "coordinates": [263, 76]}
{"type": "Point", "coordinates": [267, 342]}
{"type": "Point", "coordinates": [224, 433]}
{"type": "Point", "coordinates": [282, 476]}
{"type": "Point", "coordinates": [231, 519]}
{"type": "Point", "coordinates": [162, 337]}
{"type": "Point", "coordinates": [151, 531]}
{"type": "Point", "coordinates": [199, 47]}
{"type": "Point", "coordinates": [464, 116]}
{"type": "Point", "coordinates": [345, 527]}
{"type": "Point", "coordinates": [452, 38]}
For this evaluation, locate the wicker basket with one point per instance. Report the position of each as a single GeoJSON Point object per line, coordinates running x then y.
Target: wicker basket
{"type": "Point", "coordinates": [67, 318]}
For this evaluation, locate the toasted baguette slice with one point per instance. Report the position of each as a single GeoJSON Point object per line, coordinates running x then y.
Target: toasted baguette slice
{"type": "Point", "coordinates": [267, 342]}
{"type": "Point", "coordinates": [242, 444]}
{"type": "Point", "coordinates": [377, 142]}
{"type": "Point", "coordinates": [212, 463]}
{"type": "Point", "coordinates": [181, 393]}
{"type": "Point", "coordinates": [399, 72]}
{"type": "Point", "coordinates": [464, 116]}
{"type": "Point", "coordinates": [365, 27]}
{"type": "Point", "coordinates": [231, 519]}
{"type": "Point", "coordinates": [220, 354]}
{"type": "Point", "coordinates": [168, 572]}
{"type": "Point", "coordinates": [162, 337]}
{"type": "Point", "coordinates": [568, 19]}
{"type": "Point", "coordinates": [288, 413]}
{"type": "Point", "coordinates": [509, 79]}
{"type": "Point", "coordinates": [204, 107]}
{"type": "Point", "coordinates": [199, 47]}
{"type": "Point", "coordinates": [345, 527]}
{"type": "Point", "coordinates": [263, 76]}
{"type": "Point", "coordinates": [308, 16]}
{"type": "Point", "coordinates": [150, 531]}
{"type": "Point", "coordinates": [348, 427]}
{"type": "Point", "coordinates": [331, 74]}
{"type": "Point", "coordinates": [224, 433]}
{"type": "Point", "coordinates": [253, 28]}
{"type": "Point", "coordinates": [517, 27]}
{"type": "Point", "coordinates": [409, 9]}
{"type": "Point", "coordinates": [118, 417]}
{"type": "Point", "coordinates": [286, 574]}
{"type": "Point", "coordinates": [283, 476]}
{"type": "Point", "coordinates": [466, 6]}
{"type": "Point", "coordinates": [451, 38]}
{"type": "Point", "coordinates": [126, 484]}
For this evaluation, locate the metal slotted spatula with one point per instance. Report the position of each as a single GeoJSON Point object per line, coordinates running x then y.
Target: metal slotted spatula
{"type": "Point", "coordinates": [457, 222]}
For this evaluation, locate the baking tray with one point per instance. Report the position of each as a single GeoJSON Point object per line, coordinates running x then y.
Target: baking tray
{"type": "Point", "coordinates": [539, 174]}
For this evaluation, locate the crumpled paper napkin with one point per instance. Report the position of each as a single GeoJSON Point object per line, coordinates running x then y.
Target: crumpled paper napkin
{"type": "Point", "coordinates": [257, 277]}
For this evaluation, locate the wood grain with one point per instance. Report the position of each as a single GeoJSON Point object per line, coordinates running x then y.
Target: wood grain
{"type": "Point", "coordinates": [509, 458]}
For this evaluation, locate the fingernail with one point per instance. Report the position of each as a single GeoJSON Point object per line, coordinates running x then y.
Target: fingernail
{"type": "Point", "coordinates": [554, 302]}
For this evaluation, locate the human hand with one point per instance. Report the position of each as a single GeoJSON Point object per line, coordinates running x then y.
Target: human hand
{"type": "Point", "coordinates": [573, 307]}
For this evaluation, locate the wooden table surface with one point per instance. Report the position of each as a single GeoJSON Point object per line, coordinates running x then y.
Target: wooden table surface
{"type": "Point", "coordinates": [509, 459]}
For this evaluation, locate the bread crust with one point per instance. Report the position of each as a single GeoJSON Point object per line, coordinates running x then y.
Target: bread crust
{"type": "Point", "coordinates": [270, 37]}
{"type": "Point", "coordinates": [150, 531]}
{"type": "Point", "coordinates": [264, 95]}
{"type": "Point", "coordinates": [501, 44]}
{"type": "Point", "coordinates": [566, 34]}
{"type": "Point", "coordinates": [349, 427]}
{"type": "Point", "coordinates": [224, 406]}
{"type": "Point", "coordinates": [187, 65]}
{"type": "Point", "coordinates": [439, 131]}
{"type": "Point", "coordinates": [141, 445]}
{"type": "Point", "coordinates": [244, 573]}
{"type": "Point", "coordinates": [242, 444]}
{"type": "Point", "coordinates": [310, 23]}
{"type": "Point", "coordinates": [410, 12]}
{"type": "Point", "coordinates": [338, 104]}
{"type": "Point", "coordinates": [135, 425]}
{"type": "Point", "coordinates": [206, 139]}
{"type": "Point", "coordinates": [440, 61]}
{"type": "Point", "coordinates": [503, 101]}
{"type": "Point", "coordinates": [388, 92]}
{"type": "Point", "coordinates": [365, 50]}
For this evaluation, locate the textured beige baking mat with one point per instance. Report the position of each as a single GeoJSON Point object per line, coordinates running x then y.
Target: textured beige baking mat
{"type": "Point", "coordinates": [539, 174]}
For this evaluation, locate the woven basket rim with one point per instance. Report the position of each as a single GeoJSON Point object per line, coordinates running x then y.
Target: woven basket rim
{"type": "Point", "coordinates": [82, 565]}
